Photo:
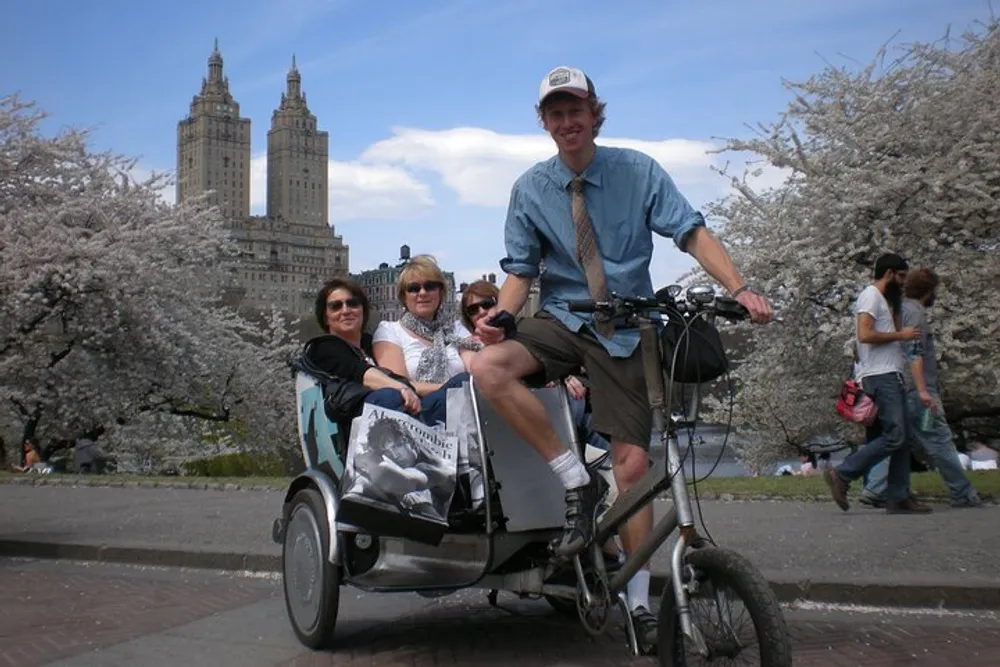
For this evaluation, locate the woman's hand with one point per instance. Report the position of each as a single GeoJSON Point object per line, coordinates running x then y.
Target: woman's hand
{"type": "Point", "coordinates": [575, 387]}
{"type": "Point", "coordinates": [411, 402]}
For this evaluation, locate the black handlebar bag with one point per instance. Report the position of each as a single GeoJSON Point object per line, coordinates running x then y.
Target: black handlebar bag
{"type": "Point", "coordinates": [700, 354]}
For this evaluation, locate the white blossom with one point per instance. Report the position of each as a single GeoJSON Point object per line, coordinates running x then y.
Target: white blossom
{"type": "Point", "coordinates": [901, 156]}
{"type": "Point", "coordinates": [110, 300]}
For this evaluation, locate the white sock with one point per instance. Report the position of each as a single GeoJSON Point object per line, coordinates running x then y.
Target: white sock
{"type": "Point", "coordinates": [569, 470]}
{"type": "Point", "coordinates": [638, 590]}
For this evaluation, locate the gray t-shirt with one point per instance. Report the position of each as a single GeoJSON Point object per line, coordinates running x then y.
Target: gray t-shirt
{"type": "Point", "coordinates": [914, 315]}
{"type": "Point", "coordinates": [877, 359]}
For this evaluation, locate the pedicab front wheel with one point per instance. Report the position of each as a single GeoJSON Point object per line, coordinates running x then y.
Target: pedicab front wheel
{"type": "Point", "coordinates": [311, 581]}
{"type": "Point", "coordinates": [719, 576]}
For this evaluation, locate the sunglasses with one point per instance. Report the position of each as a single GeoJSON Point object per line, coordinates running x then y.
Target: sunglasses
{"type": "Point", "coordinates": [335, 305]}
{"type": "Point", "coordinates": [473, 308]}
{"type": "Point", "coordinates": [429, 286]}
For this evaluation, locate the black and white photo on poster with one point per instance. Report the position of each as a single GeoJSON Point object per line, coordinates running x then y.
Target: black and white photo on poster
{"type": "Point", "coordinates": [400, 465]}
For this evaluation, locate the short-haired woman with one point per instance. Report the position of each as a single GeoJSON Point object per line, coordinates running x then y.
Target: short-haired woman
{"type": "Point", "coordinates": [477, 299]}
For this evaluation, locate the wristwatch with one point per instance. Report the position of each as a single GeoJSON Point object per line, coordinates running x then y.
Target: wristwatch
{"type": "Point", "coordinates": [740, 290]}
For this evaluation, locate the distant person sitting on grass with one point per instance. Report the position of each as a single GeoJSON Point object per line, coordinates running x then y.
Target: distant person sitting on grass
{"type": "Point", "coordinates": [32, 458]}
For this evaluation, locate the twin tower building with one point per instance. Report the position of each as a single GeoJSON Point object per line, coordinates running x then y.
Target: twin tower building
{"type": "Point", "coordinates": [287, 254]}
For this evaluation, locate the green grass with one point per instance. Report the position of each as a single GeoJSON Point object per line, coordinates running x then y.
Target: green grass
{"type": "Point", "coordinates": [926, 485]}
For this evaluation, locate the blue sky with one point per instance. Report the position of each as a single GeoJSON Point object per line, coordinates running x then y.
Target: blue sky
{"type": "Point", "coordinates": [429, 104]}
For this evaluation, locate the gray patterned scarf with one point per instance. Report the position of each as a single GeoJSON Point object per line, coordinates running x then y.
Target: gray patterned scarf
{"type": "Point", "coordinates": [433, 365]}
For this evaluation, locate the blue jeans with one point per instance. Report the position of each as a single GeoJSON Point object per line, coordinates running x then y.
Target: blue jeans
{"type": "Point", "coordinates": [889, 440]}
{"type": "Point", "coordinates": [432, 406]}
{"type": "Point", "coordinates": [937, 444]}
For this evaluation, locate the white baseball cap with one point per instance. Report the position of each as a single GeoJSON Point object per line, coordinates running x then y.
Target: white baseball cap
{"type": "Point", "coordinates": [566, 80]}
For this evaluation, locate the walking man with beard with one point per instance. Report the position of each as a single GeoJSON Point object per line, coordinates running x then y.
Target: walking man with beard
{"type": "Point", "coordinates": [922, 394]}
{"type": "Point", "coordinates": [880, 368]}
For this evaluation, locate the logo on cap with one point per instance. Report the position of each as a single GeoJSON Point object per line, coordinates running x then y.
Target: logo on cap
{"type": "Point", "coordinates": [559, 77]}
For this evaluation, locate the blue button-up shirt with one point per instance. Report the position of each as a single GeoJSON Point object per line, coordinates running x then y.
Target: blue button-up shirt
{"type": "Point", "coordinates": [628, 196]}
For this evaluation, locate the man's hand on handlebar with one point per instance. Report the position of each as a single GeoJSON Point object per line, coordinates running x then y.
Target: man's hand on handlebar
{"type": "Point", "coordinates": [758, 307]}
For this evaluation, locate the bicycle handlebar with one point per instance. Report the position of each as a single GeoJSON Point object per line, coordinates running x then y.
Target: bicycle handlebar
{"type": "Point", "coordinates": [721, 306]}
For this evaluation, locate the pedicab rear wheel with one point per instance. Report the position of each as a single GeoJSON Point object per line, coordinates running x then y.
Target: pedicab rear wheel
{"type": "Point", "coordinates": [311, 582]}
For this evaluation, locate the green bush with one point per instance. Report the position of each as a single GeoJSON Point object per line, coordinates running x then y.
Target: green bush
{"type": "Point", "coordinates": [241, 464]}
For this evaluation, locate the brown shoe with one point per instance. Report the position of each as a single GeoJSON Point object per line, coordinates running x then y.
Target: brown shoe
{"type": "Point", "coordinates": [908, 506]}
{"type": "Point", "coordinates": [838, 488]}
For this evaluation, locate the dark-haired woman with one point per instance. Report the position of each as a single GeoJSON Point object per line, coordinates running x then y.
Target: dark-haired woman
{"type": "Point", "coordinates": [342, 310]}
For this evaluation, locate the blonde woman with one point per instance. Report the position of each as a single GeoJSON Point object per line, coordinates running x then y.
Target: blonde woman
{"type": "Point", "coordinates": [424, 346]}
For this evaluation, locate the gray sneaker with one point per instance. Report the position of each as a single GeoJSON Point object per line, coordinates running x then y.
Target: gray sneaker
{"type": "Point", "coordinates": [974, 500]}
{"type": "Point", "coordinates": [870, 500]}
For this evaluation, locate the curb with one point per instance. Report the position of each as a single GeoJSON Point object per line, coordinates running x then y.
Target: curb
{"type": "Point", "coordinates": [879, 595]}
{"type": "Point", "coordinates": [203, 560]}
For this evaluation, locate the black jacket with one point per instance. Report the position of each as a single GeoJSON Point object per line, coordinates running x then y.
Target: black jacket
{"type": "Point", "coordinates": [340, 367]}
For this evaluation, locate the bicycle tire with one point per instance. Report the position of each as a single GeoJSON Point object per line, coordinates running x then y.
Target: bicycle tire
{"type": "Point", "coordinates": [739, 575]}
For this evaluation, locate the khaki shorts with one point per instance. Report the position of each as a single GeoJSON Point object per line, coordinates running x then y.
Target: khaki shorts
{"type": "Point", "coordinates": [617, 385]}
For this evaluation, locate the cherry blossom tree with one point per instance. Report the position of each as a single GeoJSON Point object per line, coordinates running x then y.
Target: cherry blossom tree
{"type": "Point", "coordinates": [110, 300]}
{"type": "Point", "coordinates": [901, 155]}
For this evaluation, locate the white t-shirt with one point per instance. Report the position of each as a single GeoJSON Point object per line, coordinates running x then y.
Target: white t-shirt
{"type": "Point", "coordinates": [884, 357]}
{"type": "Point", "coordinates": [413, 347]}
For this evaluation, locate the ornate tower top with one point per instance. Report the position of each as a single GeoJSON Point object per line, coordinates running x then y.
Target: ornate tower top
{"type": "Point", "coordinates": [293, 99]}
{"type": "Point", "coordinates": [215, 88]}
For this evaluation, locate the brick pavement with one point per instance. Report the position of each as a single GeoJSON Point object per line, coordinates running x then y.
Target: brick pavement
{"type": "Point", "coordinates": [51, 614]}
{"type": "Point", "coordinates": [114, 615]}
{"type": "Point", "coordinates": [480, 636]}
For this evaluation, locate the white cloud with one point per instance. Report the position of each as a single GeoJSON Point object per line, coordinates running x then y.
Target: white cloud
{"type": "Point", "coordinates": [480, 164]}
{"type": "Point", "coordinates": [357, 191]}
{"type": "Point", "coordinates": [391, 182]}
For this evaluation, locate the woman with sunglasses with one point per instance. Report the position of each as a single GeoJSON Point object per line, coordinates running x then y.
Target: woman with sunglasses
{"type": "Point", "coordinates": [477, 299]}
{"type": "Point", "coordinates": [424, 346]}
{"type": "Point", "coordinates": [342, 310]}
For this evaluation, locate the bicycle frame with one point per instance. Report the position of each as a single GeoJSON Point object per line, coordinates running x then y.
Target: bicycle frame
{"type": "Point", "coordinates": [665, 473]}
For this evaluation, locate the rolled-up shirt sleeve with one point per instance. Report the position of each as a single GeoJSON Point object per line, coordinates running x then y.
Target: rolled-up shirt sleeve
{"type": "Point", "coordinates": [524, 252]}
{"type": "Point", "coordinates": [669, 214]}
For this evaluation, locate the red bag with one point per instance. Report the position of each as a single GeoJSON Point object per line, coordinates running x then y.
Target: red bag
{"type": "Point", "coordinates": [855, 405]}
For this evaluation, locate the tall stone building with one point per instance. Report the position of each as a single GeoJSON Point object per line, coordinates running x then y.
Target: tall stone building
{"type": "Point", "coordinates": [297, 159]}
{"type": "Point", "coordinates": [213, 146]}
{"type": "Point", "coordinates": [288, 253]}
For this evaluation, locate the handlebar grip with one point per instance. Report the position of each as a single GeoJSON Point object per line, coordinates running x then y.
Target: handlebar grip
{"type": "Point", "coordinates": [730, 308]}
{"type": "Point", "coordinates": [582, 306]}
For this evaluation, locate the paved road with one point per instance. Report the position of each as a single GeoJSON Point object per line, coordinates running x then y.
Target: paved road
{"type": "Point", "coordinates": [789, 541]}
{"type": "Point", "coordinates": [89, 615]}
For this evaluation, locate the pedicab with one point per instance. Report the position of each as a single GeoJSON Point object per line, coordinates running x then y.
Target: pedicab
{"type": "Point", "coordinates": [501, 541]}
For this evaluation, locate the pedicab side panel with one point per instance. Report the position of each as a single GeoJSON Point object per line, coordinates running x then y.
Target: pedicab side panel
{"type": "Point", "coordinates": [531, 495]}
{"type": "Point", "coordinates": [318, 435]}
